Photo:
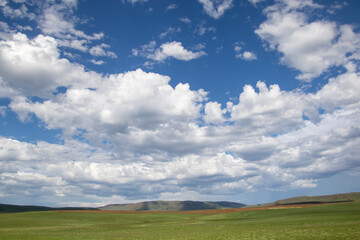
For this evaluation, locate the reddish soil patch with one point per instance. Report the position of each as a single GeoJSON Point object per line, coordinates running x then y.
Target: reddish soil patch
{"type": "Point", "coordinates": [209, 211]}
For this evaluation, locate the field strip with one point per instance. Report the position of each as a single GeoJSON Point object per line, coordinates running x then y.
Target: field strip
{"type": "Point", "coordinates": [208, 211]}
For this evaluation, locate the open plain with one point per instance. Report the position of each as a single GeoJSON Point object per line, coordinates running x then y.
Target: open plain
{"type": "Point", "coordinates": [308, 221]}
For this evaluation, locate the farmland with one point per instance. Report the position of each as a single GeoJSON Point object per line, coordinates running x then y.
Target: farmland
{"type": "Point", "coordinates": [328, 221]}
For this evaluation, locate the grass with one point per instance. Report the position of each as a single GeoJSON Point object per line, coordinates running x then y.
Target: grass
{"type": "Point", "coordinates": [334, 221]}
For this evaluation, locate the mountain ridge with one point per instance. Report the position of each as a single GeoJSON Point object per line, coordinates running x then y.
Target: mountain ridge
{"type": "Point", "coordinates": [189, 205]}
{"type": "Point", "coordinates": [172, 206]}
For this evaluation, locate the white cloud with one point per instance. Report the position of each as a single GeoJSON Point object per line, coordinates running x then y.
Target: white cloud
{"type": "Point", "coordinates": [310, 47]}
{"type": "Point", "coordinates": [246, 55]}
{"type": "Point", "coordinates": [3, 3]}
{"type": "Point", "coordinates": [135, 1]}
{"type": "Point", "coordinates": [171, 7]}
{"type": "Point", "coordinates": [201, 29]}
{"type": "Point", "coordinates": [100, 62]}
{"type": "Point", "coordinates": [4, 26]}
{"type": "Point", "coordinates": [176, 50]}
{"type": "Point", "coordinates": [269, 110]}
{"type": "Point", "coordinates": [21, 12]}
{"type": "Point", "coordinates": [42, 68]}
{"type": "Point", "coordinates": [166, 50]}
{"type": "Point", "coordinates": [157, 147]}
{"type": "Point", "coordinates": [3, 110]}
{"type": "Point", "coordinates": [130, 102]}
{"type": "Point", "coordinates": [99, 51]}
{"type": "Point", "coordinates": [256, 1]}
{"type": "Point", "coordinates": [216, 8]}
{"type": "Point", "coordinates": [185, 20]}
{"type": "Point", "coordinates": [170, 31]}
{"type": "Point", "coordinates": [214, 113]}
{"type": "Point", "coordinates": [58, 20]}
{"type": "Point", "coordinates": [136, 136]}
{"type": "Point", "coordinates": [339, 92]}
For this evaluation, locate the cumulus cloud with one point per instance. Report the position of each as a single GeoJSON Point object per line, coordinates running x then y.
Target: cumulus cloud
{"type": "Point", "coordinates": [42, 68]}
{"type": "Point", "coordinates": [21, 12]}
{"type": "Point", "coordinates": [240, 53]}
{"type": "Point", "coordinates": [246, 55]}
{"type": "Point", "coordinates": [311, 47]}
{"type": "Point", "coordinates": [216, 8]}
{"type": "Point", "coordinates": [133, 135]}
{"type": "Point", "coordinates": [158, 147]}
{"type": "Point", "coordinates": [58, 20]}
{"type": "Point", "coordinates": [99, 51]}
{"type": "Point", "coordinates": [166, 50]}
{"type": "Point", "coordinates": [144, 136]}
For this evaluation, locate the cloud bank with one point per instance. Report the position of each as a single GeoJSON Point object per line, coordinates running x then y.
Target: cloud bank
{"type": "Point", "coordinates": [129, 136]}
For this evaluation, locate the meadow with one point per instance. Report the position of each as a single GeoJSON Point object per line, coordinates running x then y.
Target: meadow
{"type": "Point", "coordinates": [330, 221]}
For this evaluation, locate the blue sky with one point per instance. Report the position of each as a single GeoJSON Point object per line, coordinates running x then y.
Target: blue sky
{"type": "Point", "coordinates": [133, 100]}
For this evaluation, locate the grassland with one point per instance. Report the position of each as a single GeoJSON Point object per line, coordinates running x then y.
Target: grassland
{"type": "Point", "coordinates": [332, 221]}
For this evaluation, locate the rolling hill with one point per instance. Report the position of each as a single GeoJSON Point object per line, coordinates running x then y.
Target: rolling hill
{"type": "Point", "coordinates": [344, 197]}
{"type": "Point", "coordinates": [189, 205]}
{"type": "Point", "coordinates": [9, 208]}
{"type": "Point", "coordinates": [172, 206]}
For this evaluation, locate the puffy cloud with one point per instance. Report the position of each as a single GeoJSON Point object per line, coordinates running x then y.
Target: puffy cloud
{"type": "Point", "coordinates": [42, 68]}
{"type": "Point", "coordinates": [246, 55]}
{"type": "Point", "coordinates": [166, 50]}
{"type": "Point", "coordinates": [339, 92]}
{"type": "Point", "coordinates": [134, 136]}
{"type": "Point", "coordinates": [176, 50]}
{"type": "Point", "coordinates": [310, 47]}
{"type": "Point", "coordinates": [269, 110]}
{"type": "Point", "coordinates": [159, 148]}
{"type": "Point", "coordinates": [58, 20]}
{"type": "Point", "coordinates": [214, 113]}
{"type": "Point", "coordinates": [99, 50]}
{"type": "Point", "coordinates": [21, 12]}
{"type": "Point", "coordinates": [216, 8]}
{"type": "Point", "coordinates": [145, 138]}
{"type": "Point", "coordinates": [135, 107]}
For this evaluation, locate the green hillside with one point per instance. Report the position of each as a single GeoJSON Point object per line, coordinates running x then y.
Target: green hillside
{"type": "Point", "coordinates": [171, 206]}
{"type": "Point", "coordinates": [8, 208]}
{"type": "Point", "coordinates": [344, 197]}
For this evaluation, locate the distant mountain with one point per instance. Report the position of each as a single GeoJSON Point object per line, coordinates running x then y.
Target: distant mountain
{"type": "Point", "coordinates": [344, 197]}
{"type": "Point", "coordinates": [8, 208]}
{"type": "Point", "coordinates": [189, 205]}
{"type": "Point", "coordinates": [172, 206]}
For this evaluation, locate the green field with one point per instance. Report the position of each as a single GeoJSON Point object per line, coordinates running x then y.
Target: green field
{"type": "Point", "coordinates": [334, 221]}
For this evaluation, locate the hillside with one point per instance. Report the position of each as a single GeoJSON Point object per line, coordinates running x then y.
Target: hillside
{"type": "Point", "coordinates": [344, 197]}
{"type": "Point", "coordinates": [8, 208]}
{"type": "Point", "coordinates": [171, 206]}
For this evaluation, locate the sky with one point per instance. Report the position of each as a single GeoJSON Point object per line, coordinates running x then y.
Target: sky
{"type": "Point", "coordinates": [124, 101]}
